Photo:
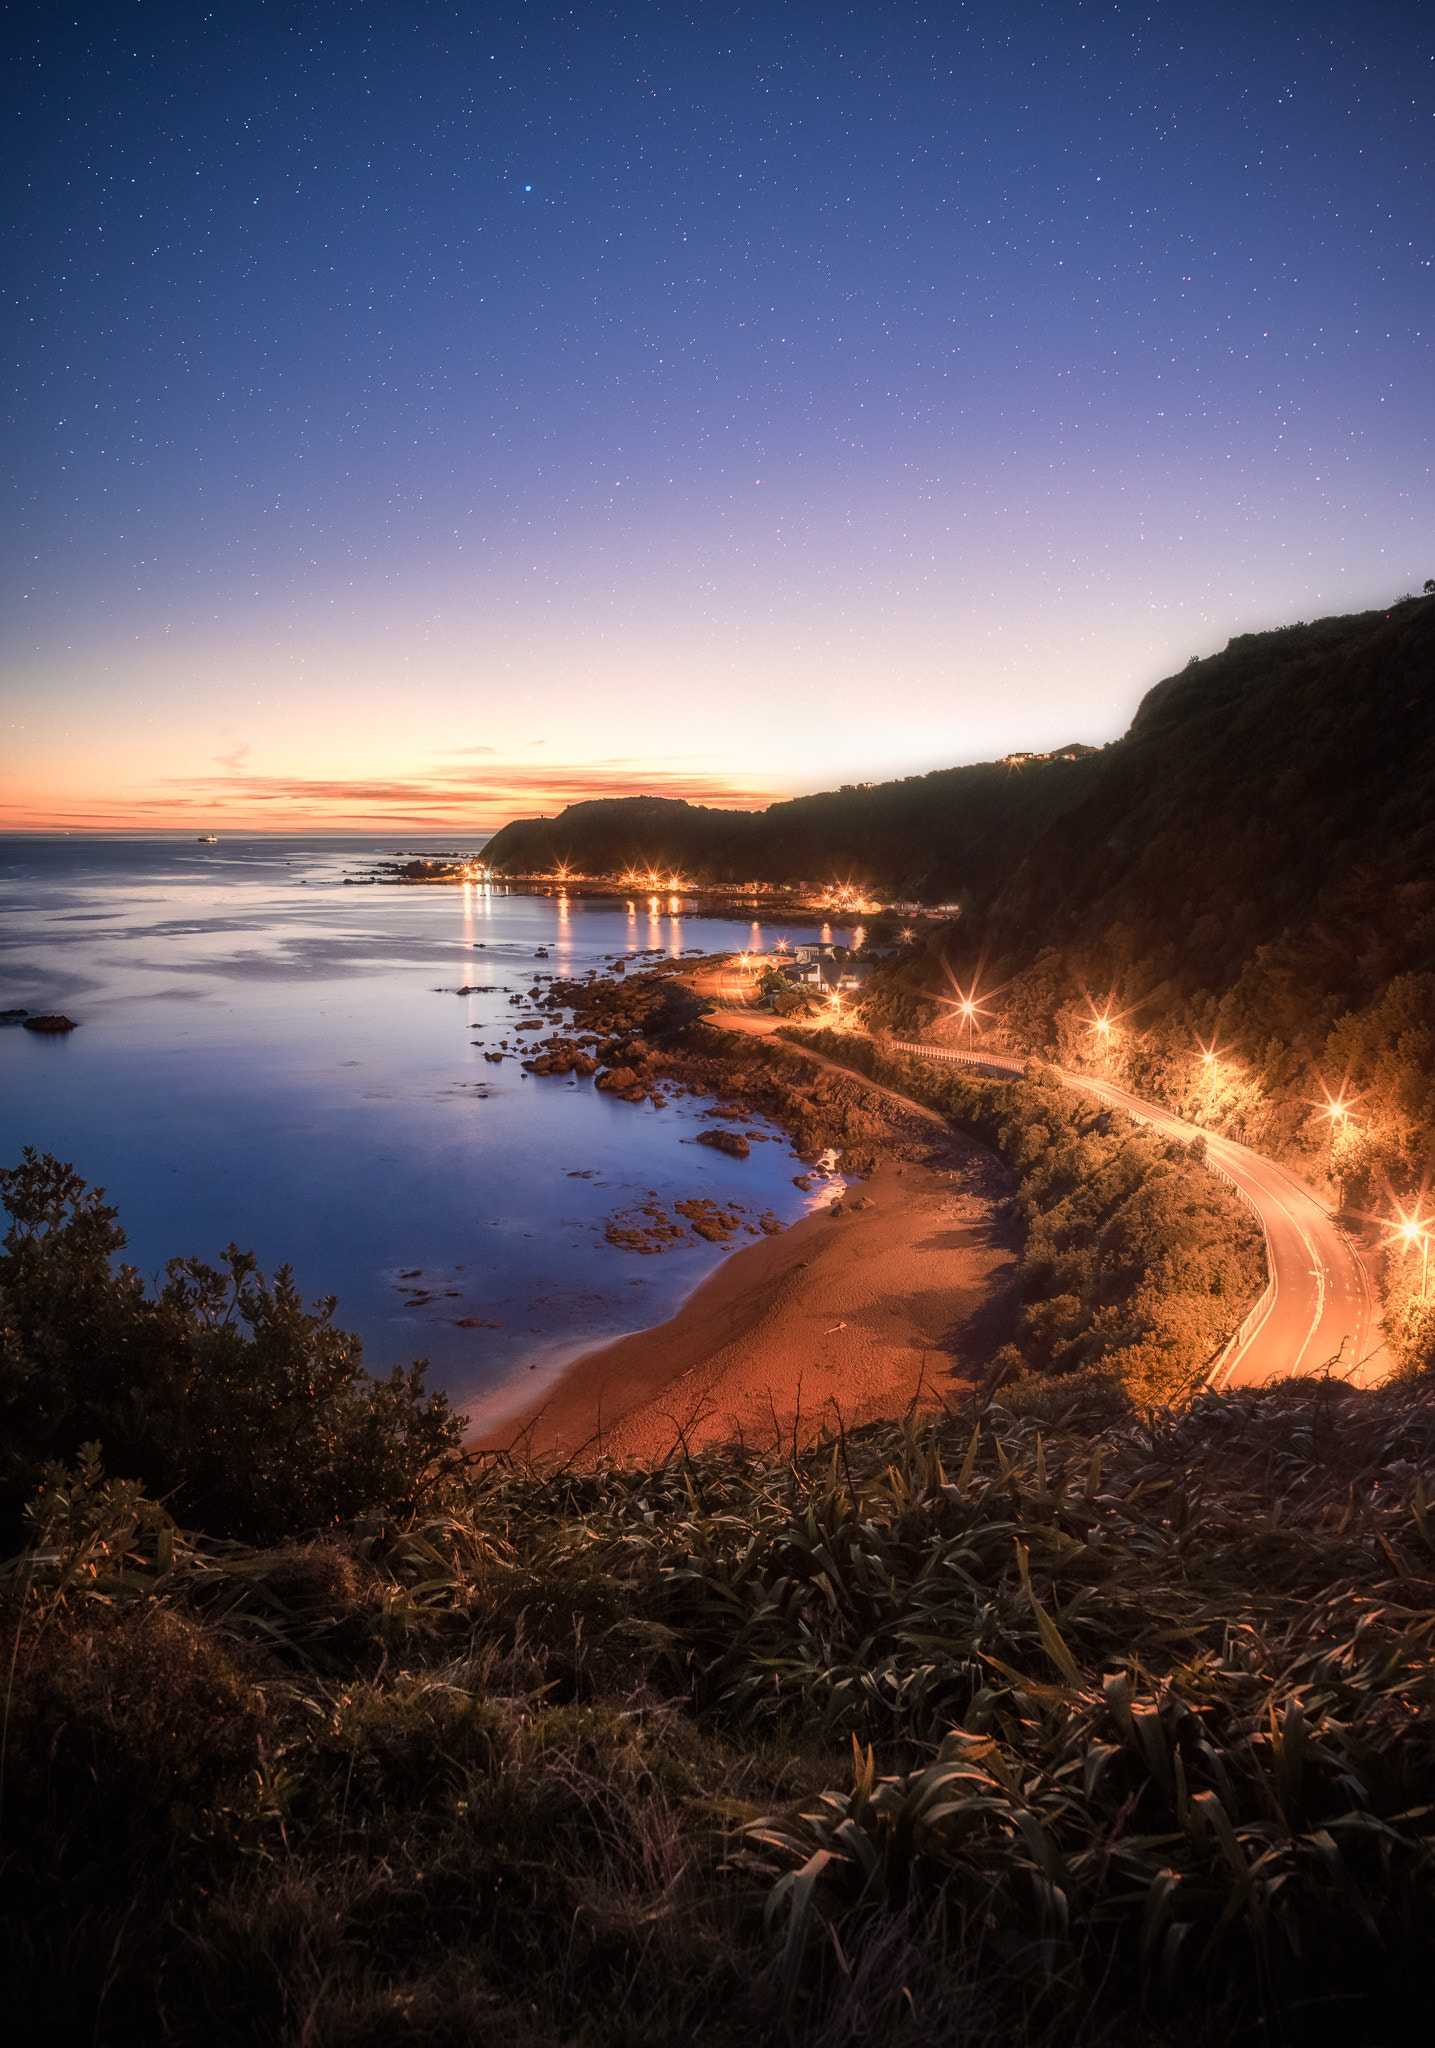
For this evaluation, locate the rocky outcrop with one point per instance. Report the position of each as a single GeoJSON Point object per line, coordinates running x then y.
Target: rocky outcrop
{"type": "Point", "coordinates": [731, 1142]}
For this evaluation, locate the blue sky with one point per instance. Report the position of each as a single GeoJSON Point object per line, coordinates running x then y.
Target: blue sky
{"type": "Point", "coordinates": [437, 413]}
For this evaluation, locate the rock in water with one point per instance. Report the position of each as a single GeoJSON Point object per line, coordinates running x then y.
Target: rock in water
{"type": "Point", "coordinates": [731, 1142]}
{"type": "Point", "coordinates": [50, 1024]}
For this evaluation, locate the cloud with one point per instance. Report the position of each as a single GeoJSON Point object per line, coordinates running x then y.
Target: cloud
{"type": "Point", "coordinates": [235, 760]}
{"type": "Point", "coordinates": [457, 798]}
{"type": "Point", "coordinates": [462, 753]}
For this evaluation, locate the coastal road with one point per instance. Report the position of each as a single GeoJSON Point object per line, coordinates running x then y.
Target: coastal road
{"type": "Point", "coordinates": [1317, 1312]}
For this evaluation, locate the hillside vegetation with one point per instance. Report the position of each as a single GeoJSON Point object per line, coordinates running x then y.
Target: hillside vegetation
{"type": "Point", "coordinates": [993, 1732]}
{"type": "Point", "coordinates": [1253, 874]}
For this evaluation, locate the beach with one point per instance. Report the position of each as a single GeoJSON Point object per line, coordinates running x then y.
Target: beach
{"type": "Point", "coordinates": [898, 1295]}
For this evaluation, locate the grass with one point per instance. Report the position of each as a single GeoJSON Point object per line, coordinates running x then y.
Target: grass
{"type": "Point", "coordinates": [993, 1729]}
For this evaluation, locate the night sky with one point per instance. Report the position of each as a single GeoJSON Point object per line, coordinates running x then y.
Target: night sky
{"type": "Point", "coordinates": [430, 414]}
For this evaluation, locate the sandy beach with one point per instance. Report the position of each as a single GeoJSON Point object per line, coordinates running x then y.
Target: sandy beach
{"type": "Point", "coordinates": [899, 1294]}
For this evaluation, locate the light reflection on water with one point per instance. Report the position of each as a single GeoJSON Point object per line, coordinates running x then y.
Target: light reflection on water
{"type": "Point", "coordinates": [271, 1057]}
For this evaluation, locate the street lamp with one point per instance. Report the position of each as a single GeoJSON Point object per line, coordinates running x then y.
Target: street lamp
{"type": "Point", "coordinates": [967, 1004]}
{"type": "Point", "coordinates": [1413, 1232]}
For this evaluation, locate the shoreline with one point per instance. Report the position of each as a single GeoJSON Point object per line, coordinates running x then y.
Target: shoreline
{"type": "Point", "coordinates": [896, 1296]}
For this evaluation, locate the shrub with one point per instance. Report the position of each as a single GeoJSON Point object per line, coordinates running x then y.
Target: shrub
{"type": "Point", "coordinates": [222, 1393]}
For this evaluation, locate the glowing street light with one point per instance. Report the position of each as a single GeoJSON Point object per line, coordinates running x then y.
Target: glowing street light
{"type": "Point", "coordinates": [1102, 1026]}
{"type": "Point", "coordinates": [1337, 1108]}
{"type": "Point", "coordinates": [1410, 1231]}
{"type": "Point", "coordinates": [968, 1006]}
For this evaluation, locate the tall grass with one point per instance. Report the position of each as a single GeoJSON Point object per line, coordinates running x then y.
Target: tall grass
{"type": "Point", "coordinates": [982, 1729]}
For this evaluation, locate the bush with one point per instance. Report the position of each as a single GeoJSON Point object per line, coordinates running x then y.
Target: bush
{"type": "Point", "coordinates": [222, 1394]}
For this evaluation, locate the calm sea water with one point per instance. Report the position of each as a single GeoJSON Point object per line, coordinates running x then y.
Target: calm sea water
{"type": "Point", "coordinates": [269, 1056]}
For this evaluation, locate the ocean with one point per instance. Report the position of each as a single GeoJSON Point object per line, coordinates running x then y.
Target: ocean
{"type": "Point", "coordinates": [271, 1056]}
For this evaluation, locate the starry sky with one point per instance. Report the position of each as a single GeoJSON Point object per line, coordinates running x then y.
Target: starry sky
{"type": "Point", "coordinates": [420, 415]}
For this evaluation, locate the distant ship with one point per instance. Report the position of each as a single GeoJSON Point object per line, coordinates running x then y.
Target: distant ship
{"type": "Point", "coordinates": [209, 839]}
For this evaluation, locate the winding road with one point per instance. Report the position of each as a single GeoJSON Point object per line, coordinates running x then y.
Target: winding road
{"type": "Point", "coordinates": [1317, 1312]}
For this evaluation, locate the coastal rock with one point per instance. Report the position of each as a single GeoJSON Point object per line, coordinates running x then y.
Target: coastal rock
{"type": "Point", "coordinates": [647, 1229]}
{"type": "Point", "coordinates": [617, 1080]}
{"type": "Point", "coordinates": [708, 1221]}
{"type": "Point", "coordinates": [731, 1142]}
{"type": "Point", "coordinates": [50, 1025]}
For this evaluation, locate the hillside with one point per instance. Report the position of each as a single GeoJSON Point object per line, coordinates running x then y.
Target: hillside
{"type": "Point", "coordinates": [954, 833]}
{"type": "Point", "coordinates": [1287, 782]}
{"type": "Point", "coordinates": [1252, 872]}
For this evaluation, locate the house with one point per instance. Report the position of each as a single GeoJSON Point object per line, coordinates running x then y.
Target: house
{"type": "Point", "coordinates": [826, 975]}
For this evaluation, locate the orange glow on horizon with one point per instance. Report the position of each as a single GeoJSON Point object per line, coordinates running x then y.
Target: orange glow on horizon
{"type": "Point", "coordinates": [449, 800]}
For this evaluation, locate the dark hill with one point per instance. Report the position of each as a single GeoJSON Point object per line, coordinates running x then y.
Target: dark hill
{"type": "Point", "coordinates": [955, 833]}
{"type": "Point", "coordinates": [1286, 781]}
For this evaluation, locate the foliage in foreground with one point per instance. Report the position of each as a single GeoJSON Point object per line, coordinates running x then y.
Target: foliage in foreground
{"type": "Point", "coordinates": [980, 1733]}
{"type": "Point", "coordinates": [252, 1415]}
{"type": "Point", "coordinates": [1138, 1263]}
